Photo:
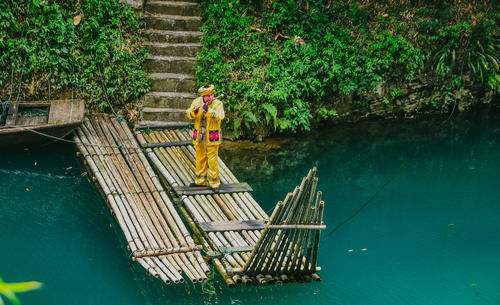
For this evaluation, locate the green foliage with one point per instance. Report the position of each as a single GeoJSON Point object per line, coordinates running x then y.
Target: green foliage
{"type": "Point", "coordinates": [9, 290]}
{"type": "Point", "coordinates": [46, 53]}
{"type": "Point", "coordinates": [395, 93]}
{"type": "Point", "coordinates": [283, 67]}
{"type": "Point", "coordinates": [325, 114]}
{"type": "Point", "coordinates": [465, 48]}
{"type": "Point", "coordinates": [483, 57]}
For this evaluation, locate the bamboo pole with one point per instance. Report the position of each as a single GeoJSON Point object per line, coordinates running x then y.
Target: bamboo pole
{"type": "Point", "coordinates": [170, 162]}
{"type": "Point", "coordinates": [149, 269]}
{"type": "Point", "coordinates": [277, 236]}
{"type": "Point", "coordinates": [217, 237]}
{"type": "Point", "coordinates": [124, 192]}
{"type": "Point", "coordinates": [317, 235]}
{"type": "Point", "coordinates": [221, 200]}
{"type": "Point", "coordinates": [156, 161]}
{"type": "Point", "coordinates": [143, 253]}
{"type": "Point", "coordinates": [131, 201]}
{"type": "Point", "coordinates": [188, 261]}
{"type": "Point", "coordinates": [121, 206]}
{"type": "Point", "coordinates": [141, 182]}
{"type": "Point", "coordinates": [168, 208]}
{"type": "Point", "coordinates": [102, 168]}
{"type": "Point", "coordinates": [124, 180]}
{"type": "Point", "coordinates": [165, 136]}
{"type": "Point", "coordinates": [118, 215]}
{"type": "Point", "coordinates": [254, 260]}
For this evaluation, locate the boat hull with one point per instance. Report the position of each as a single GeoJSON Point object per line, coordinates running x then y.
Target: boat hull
{"type": "Point", "coordinates": [35, 135]}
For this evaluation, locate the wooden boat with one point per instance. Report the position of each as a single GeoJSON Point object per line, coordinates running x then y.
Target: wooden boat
{"type": "Point", "coordinates": [41, 122]}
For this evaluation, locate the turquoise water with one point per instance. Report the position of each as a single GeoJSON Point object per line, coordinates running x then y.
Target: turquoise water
{"type": "Point", "coordinates": [430, 236]}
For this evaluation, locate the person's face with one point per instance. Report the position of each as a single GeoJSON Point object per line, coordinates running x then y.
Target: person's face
{"type": "Point", "coordinates": [208, 98]}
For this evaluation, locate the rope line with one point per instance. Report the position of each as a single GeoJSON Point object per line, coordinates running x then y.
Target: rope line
{"type": "Point", "coordinates": [370, 200]}
{"type": "Point", "coordinates": [71, 141]}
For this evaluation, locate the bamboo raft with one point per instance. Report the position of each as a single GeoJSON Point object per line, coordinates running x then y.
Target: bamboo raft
{"type": "Point", "coordinates": [155, 234]}
{"type": "Point", "coordinates": [245, 245]}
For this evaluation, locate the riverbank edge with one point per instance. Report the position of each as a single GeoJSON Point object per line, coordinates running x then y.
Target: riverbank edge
{"type": "Point", "coordinates": [347, 120]}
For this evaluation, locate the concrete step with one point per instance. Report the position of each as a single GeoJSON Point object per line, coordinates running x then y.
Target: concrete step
{"type": "Point", "coordinates": [173, 49]}
{"type": "Point", "coordinates": [173, 36]}
{"type": "Point", "coordinates": [172, 82]}
{"type": "Point", "coordinates": [170, 64]}
{"type": "Point", "coordinates": [179, 100]}
{"type": "Point", "coordinates": [173, 8]}
{"type": "Point", "coordinates": [164, 114]}
{"type": "Point", "coordinates": [173, 22]}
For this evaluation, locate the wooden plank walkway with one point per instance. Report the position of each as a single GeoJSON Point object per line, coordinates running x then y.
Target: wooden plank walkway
{"type": "Point", "coordinates": [155, 234]}
{"type": "Point", "coordinates": [245, 244]}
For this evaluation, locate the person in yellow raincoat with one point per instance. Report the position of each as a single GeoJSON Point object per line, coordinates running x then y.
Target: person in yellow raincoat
{"type": "Point", "coordinates": [207, 112]}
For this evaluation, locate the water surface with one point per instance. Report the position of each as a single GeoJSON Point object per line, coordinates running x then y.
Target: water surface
{"type": "Point", "coordinates": [430, 235]}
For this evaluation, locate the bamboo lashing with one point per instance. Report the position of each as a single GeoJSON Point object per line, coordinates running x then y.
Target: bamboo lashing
{"type": "Point", "coordinates": [155, 234]}
{"type": "Point", "coordinates": [285, 250]}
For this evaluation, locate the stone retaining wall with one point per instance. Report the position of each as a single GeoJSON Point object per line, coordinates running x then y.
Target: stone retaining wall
{"type": "Point", "coordinates": [423, 95]}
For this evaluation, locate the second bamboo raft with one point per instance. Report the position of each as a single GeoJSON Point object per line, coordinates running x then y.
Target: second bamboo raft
{"type": "Point", "coordinates": [245, 244]}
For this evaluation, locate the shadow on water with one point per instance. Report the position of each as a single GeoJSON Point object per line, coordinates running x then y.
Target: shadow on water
{"type": "Point", "coordinates": [430, 237]}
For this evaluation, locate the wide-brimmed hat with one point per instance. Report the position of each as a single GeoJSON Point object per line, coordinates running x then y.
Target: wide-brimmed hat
{"type": "Point", "coordinates": [208, 90]}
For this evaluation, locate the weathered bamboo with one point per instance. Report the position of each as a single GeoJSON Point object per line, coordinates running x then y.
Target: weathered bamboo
{"type": "Point", "coordinates": [253, 261]}
{"type": "Point", "coordinates": [149, 268]}
{"type": "Point", "coordinates": [159, 165]}
{"type": "Point", "coordinates": [317, 235]}
{"type": "Point", "coordinates": [136, 198]}
{"type": "Point", "coordinates": [156, 219]}
{"type": "Point", "coordinates": [279, 238]}
{"type": "Point", "coordinates": [276, 236]}
{"type": "Point", "coordinates": [115, 213]}
{"type": "Point", "coordinates": [301, 230]}
{"type": "Point", "coordinates": [286, 245]}
{"type": "Point", "coordinates": [121, 176]}
{"type": "Point", "coordinates": [189, 260]}
{"type": "Point", "coordinates": [170, 207]}
{"type": "Point", "coordinates": [162, 269]}
{"type": "Point", "coordinates": [178, 261]}
{"type": "Point", "coordinates": [220, 214]}
{"type": "Point", "coordinates": [120, 218]}
{"type": "Point", "coordinates": [170, 162]}
{"type": "Point", "coordinates": [177, 151]}
{"type": "Point", "coordinates": [217, 237]}
{"type": "Point", "coordinates": [144, 253]}
{"type": "Point", "coordinates": [131, 202]}
{"type": "Point", "coordinates": [217, 263]}
{"type": "Point", "coordinates": [107, 180]}
{"type": "Point", "coordinates": [180, 229]}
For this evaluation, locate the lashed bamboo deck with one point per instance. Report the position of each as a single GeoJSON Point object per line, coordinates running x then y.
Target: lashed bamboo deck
{"type": "Point", "coordinates": [246, 246]}
{"type": "Point", "coordinates": [156, 236]}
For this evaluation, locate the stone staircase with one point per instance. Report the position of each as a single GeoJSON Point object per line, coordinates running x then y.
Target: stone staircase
{"type": "Point", "coordinates": [173, 39]}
